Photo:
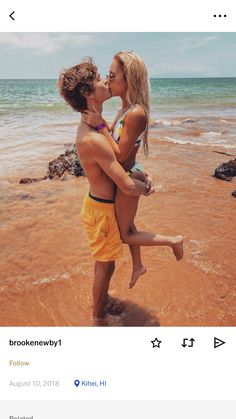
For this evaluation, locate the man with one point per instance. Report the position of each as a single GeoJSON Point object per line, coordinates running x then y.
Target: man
{"type": "Point", "coordinates": [82, 87]}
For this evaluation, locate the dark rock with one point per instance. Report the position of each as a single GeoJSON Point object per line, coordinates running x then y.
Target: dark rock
{"type": "Point", "coordinates": [234, 193]}
{"type": "Point", "coordinates": [222, 152]}
{"type": "Point", "coordinates": [226, 171]}
{"type": "Point", "coordinates": [26, 196]}
{"type": "Point", "coordinates": [188, 121]}
{"type": "Point", "coordinates": [68, 145]}
{"type": "Point", "coordinates": [32, 180]}
{"type": "Point", "coordinates": [67, 162]}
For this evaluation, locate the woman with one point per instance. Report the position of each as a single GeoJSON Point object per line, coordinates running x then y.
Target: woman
{"type": "Point", "coordinates": [128, 79]}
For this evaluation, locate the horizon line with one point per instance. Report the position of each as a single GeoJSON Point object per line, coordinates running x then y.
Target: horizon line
{"type": "Point", "coordinates": [150, 78]}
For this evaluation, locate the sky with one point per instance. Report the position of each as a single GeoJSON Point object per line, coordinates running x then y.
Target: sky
{"type": "Point", "coordinates": [167, 54]}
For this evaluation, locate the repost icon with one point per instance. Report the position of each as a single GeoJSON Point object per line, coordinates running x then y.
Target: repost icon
{"type": "Point", "coordinates": [76, 383]}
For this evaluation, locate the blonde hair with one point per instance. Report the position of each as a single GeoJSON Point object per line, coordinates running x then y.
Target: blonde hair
{"type": "Point", "coordinates": [136, 76]}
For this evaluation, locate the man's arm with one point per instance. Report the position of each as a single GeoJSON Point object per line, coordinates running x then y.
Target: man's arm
{"type": "Point", "coordinates": [106, 159]}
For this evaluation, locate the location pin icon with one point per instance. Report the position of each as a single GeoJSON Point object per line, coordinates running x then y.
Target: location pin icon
{"type": "Point", "coordinates": [76, 383]}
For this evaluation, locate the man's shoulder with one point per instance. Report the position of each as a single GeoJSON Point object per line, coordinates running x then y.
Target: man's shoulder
{"type": "Point", "coordinates": [88, 140]}
{"type": "Point", "coordinates": [97, 139]}
{"type": "Point", "coordinates": [92, 142]}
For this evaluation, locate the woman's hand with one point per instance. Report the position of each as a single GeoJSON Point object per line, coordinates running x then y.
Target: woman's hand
{"type": "Point", "coordinates": [138, 175]}
{"type": "Point", "coordinates": [145, 177]}
{"type": "Point", "coordinates": [149, 185]}
{"type": "Point", "coordinates": [92, 117]}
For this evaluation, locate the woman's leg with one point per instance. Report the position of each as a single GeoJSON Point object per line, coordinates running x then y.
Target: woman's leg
{"type": "Point", "coordinates": [131, 202]}
{"type": "Point", "coordinates": [138, 267]}
{"type": "Point", "coordinates": [124, 211]}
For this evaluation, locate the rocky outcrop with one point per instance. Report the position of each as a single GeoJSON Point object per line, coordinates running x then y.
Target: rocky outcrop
{"type": "Point", "coordinates": [226, 171]}
{"type": "Point", "coordinates": [66, 163]}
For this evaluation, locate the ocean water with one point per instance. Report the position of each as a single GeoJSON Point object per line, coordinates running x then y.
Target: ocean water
{"type": "Point", "coordinates": [199, 111]}
{"type": "Point", "coordinates": [37, 124]}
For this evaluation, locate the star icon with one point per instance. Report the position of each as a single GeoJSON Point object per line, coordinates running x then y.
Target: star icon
{"type": "Point", "coordinates": [156, 343]}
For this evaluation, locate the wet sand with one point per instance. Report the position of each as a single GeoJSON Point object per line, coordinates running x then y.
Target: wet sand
{"type": "Point", "coordinates": [46, 271]}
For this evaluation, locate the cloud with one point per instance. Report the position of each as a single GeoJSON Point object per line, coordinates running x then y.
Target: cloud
{"type": "Point", "coordinates": [190, 43]}
{"type": "Point", "coordinates": [186, 55]}
{"type": "Point", "coordinates": [45, 43]}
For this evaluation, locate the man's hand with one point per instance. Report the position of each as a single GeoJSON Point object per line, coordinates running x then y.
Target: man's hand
{"type": "Point", "coordinates": [92, 117]}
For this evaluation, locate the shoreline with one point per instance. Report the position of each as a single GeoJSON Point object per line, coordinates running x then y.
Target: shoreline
{"type": "Point", "coordinates": [40, 166]}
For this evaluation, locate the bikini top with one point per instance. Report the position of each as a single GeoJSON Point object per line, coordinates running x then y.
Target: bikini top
{"type": "Point", "coordinates": [118, 128]}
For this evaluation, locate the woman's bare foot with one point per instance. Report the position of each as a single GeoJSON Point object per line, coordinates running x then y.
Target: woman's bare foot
{"type": "Point", "coordinates": [136, 274]}
{"type": "Point", "coordinates": [178, 248]}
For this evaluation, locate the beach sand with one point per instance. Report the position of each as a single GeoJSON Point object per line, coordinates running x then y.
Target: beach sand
{"type": "Point", "coordinates": [47, 272]}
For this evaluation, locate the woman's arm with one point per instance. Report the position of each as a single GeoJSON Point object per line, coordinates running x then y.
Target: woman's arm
{"type": "Point", "coordinates": [108, 126]}
{"type": "Point", "coordinates": [94, 118]}
{"type": "Point", "coordinates": [111, 141]}
{"type": "Point", "coordinates": [135, 124]}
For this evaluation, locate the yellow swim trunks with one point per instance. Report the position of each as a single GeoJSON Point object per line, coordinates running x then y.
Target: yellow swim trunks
{"type": "Point", "coordinates": [102, 229]}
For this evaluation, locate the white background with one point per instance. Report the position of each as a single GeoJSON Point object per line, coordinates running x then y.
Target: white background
{"type": "Point", "coordinates": [118, 16]}
{"type": "Point", "coordinates": [126, 359]}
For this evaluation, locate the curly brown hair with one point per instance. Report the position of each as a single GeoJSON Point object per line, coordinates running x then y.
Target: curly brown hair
{"type": "Point", "coordinates": [76, 82]}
